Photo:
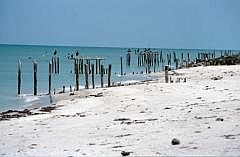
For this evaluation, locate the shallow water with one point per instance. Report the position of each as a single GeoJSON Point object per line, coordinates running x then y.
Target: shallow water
{"type": "Point", "coordinates": [10, 54]}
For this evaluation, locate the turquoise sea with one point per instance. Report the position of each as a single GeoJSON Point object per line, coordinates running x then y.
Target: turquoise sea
{"type": "Point", "coordinates": [10, 54]}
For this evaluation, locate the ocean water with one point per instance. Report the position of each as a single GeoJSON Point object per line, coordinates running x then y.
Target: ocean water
{"type": "Point", "coordinates": [10, 54]}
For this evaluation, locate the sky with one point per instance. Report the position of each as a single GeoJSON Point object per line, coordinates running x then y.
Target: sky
{"type": "Point", "coordinates": [211, 24]}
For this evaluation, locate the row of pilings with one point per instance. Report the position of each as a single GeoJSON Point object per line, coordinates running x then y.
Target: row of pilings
{"type": "Point", "coordinates": [150, 60]}
{"type": "Point", "coordinates": [81, 65]}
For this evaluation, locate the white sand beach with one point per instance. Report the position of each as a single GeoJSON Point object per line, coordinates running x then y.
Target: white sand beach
{"type": "Point", "coordinates": [203, 113]}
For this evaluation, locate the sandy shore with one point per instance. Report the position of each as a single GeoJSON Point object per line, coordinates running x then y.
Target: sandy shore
{"type": "Point", "coordinates": [203, 113]}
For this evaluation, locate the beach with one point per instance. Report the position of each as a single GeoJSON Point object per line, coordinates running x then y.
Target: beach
{"type": "Point", "coordinates": [11, 55]}
{"type": "Point", "coordinates": [203, 113]}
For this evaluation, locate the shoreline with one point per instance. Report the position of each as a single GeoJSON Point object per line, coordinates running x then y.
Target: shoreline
{"type": "Point", "coordinates": [35, 109]}
{"type": "Point", "coordinates": [202, 113]}
{"type": "Point", "coordinates": [33, 104]}
{"type": "Point", "coordinates": [60, 96]}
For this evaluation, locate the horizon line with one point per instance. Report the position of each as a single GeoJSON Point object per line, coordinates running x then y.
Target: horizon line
{"type": "Point", "coordinates": [19, 44]}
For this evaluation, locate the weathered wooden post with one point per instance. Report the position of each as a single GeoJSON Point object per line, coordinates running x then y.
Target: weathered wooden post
{"type": "Point", "coordinates": [63, 89]}
{"type": "Point", "coordinates": [96, 66]}
{"type": "Point", "coordinates": [49, 77]}
{"type": "Point", "coordinates": [99, 65]}
{"type": "Point", "coordinates": [109, 74]}
{"type": "Point", "coordinates": [176, 61]}
{"type": "Point", "coordinates": [149, 68]}
{"type": "Point", "coordinates": [89, 66]}
{"type": "Point", "coordinates": [138, 59]}
{"type": "Point", "coordinates": [93, 84]}
{"type": "Point", "coordinates": [81, 66]}
{"type": "Point", "coordinates": [154, 66]}
{"type": "Point", "coordinates": [188, 59]}
{"type": "Point", "coordinates": [19, 76]}
{"type": "Point", "coordinates": [77, 77]}
{"type": "Point", "coordinates": [166, 73]}
{"type": "Point", "coordinates": [34, 78]}
{"type": "Point", "coordinates": [102, 72]}
{"type": "Point", "coordinates": [185, 79]}
{"type": "Point", "coordinates": [75, 66]}
{"type": "Point", "coordinates": [86, 75]}
{"type": "Point", "coordinates": [57, 65]}
{"type": "Point", "coordinates": [121, 66]}
{"type": "Point", "coordinates": [53, 65]}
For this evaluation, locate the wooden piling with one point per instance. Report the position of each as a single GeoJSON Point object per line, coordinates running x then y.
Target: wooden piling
{"type": "Point", "coordinates": [77, 78]}
{"type": "Point", "coordinates": [34, 78]}
{"type": "Point", "coordinates": [102, 72]}
{"type": "Point", "coordinates": [58, 65]}
{"type": "Point", "coordinates": [176, 61]}
{"type": "Point", "coordinates": [149, 70]}
{"type": "Point", "coordinates": [55, 65]}
{"type": "Point", "coordinates": [93, 84]}
{"type": "Point", "coordinates": [99, 65]}
{"type": "Point", "coordinates": [49, 77]}
{"type": "Point", "coordinates": [109, 74]}
{"type": "Point", "coordinates": [182, 57]}
{"type": "Point", "coordinates": [96, 66]}
{"type": "Point", "coordinates": [86, 75]}
{"type": "Point", "coordinates": [63, 89]}
{"type": "Point", "coordinates": [19, 76]}
{"type": "Point", "coordinates": [154, 67]}
{"type": "Point", "coordinates": [138, 60]}
{"type": "Point", "coordinates": [75, 66]}
{"type": "Point", "coordinates": [89, 67]}
{"type": "Point", "coordinates": [166, 73]}
{"type": "Point", "coordinates": [81, 66]}
{"type": "Point", "coordinates": [121, 66]}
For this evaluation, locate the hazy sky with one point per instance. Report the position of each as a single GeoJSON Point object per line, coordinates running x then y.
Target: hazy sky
{"type": "Point", "coordinates": [127, 23]}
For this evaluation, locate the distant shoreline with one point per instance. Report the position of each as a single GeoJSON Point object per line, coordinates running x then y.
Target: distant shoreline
{"type": "Point", "coordinates": [123, 47]}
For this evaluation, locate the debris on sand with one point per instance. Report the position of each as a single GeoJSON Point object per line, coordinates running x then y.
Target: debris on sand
{"type": "Point", "coordinates": [97, 95]}
{"type": "Point", "coordinates": [123, 135]}
{"type": "Point", "coordinates": [122, 119]}
{"type": "Point", "coordinates": [219, 119]}
{"type": "Point", "coordinates": [167, 108]}
{"type": "Point", "coordinates": [229, 136]}
{"type": "Point", "coordinates": [217, 78]}
{"type": "Point", "coordinates": [175, 141]}
{"type": "Point", "coordinates": [47, 109]}
{"type": "Point", "coordinates": [124, 153]}
{"type": "Point", "coordinates": [15, 114]}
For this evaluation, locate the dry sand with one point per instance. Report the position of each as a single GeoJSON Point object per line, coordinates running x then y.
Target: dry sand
{"type": "Point", "coordinates": [203, 113]}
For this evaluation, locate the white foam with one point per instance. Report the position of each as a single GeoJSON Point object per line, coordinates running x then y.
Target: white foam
{"type": "Point", "coordinates": [31, 98]}
{"type": "Point", "coordinates": [131, 81]}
